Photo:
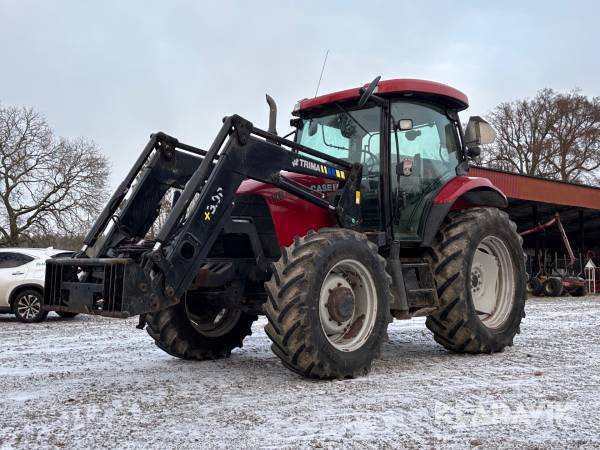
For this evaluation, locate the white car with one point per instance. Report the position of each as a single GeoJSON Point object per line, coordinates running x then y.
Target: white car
{"type": "Point", "coordinates": [22, 273]}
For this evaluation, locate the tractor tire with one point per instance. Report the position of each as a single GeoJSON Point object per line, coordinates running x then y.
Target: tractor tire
{"type": "Point", "coordinates": [328, 304]}
{"type": "Point", "coordinates": [479, 270]}
{"type": "Point", "coordinates": [553, 287]}
{"type": "Point", "coordinates": [199, 333]}
{"type": "Point", "coordinates": [535, 287]}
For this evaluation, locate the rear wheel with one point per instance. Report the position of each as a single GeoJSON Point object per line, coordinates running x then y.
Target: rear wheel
{"type": "Point", "coordinates": [480, 276]}
{"type": "Point", "coordinates": [328, 304]}
{"type": "Point", "coordinates": [190, 330]}
{"type": "Point", "coordinates": [534, 286]}
{"type": "Point", "coordinates": [27, 306]}
{"type": "Point", "coordinates": [553, 287]}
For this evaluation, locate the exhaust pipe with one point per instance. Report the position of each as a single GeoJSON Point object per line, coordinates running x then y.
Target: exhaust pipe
{"type": "Point", "coordinates": [272, 115]}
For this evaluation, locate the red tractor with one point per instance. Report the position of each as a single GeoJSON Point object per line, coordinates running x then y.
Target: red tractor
{"type": "Point", "coordinates": [367, 214]}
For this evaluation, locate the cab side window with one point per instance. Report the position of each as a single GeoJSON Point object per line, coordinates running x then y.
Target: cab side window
{"type": "Point", "coordinates": [9, 260]}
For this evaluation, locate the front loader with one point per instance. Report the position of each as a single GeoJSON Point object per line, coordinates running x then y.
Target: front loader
{"type": "Point", "coordinates": [367, 214]}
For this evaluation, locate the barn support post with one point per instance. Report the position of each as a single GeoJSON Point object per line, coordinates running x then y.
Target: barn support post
{"type": "Point", "coordinates": [581, 234]}
{"type": "Point", "coordinates": [535, 266]}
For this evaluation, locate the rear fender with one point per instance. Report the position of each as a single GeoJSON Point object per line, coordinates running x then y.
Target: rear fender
{"type": "Point", "coordinates": [465, 192]}
{"type": "Point", "coordinates": [461, 193]}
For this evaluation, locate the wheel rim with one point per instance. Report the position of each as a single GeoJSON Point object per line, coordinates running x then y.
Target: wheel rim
{"type": "Point", "coordinates": [213, 322]}
{"type": "Point", "coordinates": [492, 282]}
{"type": "Point", "coordinates": [348, 305]}
{"type": "Point", "coordinates": [29, 306]}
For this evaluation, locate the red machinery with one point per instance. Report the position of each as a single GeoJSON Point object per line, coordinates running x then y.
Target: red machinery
{"type": "Point", "coordinates": [553, 286]}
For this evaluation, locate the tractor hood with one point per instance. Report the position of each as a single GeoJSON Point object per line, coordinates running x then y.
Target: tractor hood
{"type": "Point", "coordinates": [318, 184]}
{"type": "Point", "coordinates": [291, 215]}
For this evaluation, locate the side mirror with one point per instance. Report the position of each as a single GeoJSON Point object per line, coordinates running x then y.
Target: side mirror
{"type": "Point", "coordinates": [478, 132]}
{"type": "Point", "coordinates": [297, 123]}
{"type": "Point", "coordinates": [405, 124]}
{"type": "Point", "coordinates": [312, 128]}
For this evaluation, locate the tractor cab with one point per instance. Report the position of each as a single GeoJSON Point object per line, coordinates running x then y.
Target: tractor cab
{"type": "Point", "coordinates": [406, 134]}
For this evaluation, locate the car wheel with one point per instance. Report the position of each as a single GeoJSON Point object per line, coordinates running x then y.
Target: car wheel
{"type": "Point", "coordinates": [27, 306]}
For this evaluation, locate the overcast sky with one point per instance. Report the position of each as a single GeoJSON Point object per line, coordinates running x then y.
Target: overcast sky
{"type": "Point", "coordinates": [115, 71]}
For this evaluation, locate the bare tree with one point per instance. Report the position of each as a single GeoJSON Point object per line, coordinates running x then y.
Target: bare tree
{"type": "Point", "coordinates": [575, 137]}
{"type": "Point", "coordinates": [553, 135]}
{"type": "Point", "coordinates": [48, 185]}
{"type": "Point", "coordinates": [165, 207]}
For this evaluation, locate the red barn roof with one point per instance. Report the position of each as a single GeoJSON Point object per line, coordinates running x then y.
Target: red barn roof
{"type": "Point", "coordinates": [534, 189]}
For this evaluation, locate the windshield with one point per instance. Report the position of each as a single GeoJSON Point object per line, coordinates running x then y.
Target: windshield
{"type": "Point", "coordinates": [349, 135]}
{"type": "Point", "coordinates": [352, 136]}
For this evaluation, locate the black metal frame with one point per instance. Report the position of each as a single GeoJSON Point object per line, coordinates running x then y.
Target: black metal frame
{"type": "Point", "coordinates": [116, 274]}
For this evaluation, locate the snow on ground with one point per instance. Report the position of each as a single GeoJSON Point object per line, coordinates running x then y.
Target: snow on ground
{"type": "Point", "coordinates": [93, 382]}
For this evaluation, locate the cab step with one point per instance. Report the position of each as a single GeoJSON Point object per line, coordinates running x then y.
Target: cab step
{"type": "Point", "coordinates": [421, 292]}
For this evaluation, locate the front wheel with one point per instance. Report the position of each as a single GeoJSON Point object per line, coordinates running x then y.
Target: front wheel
{"type": "Point", "coordinates": [192, 330]}
{"type": "Point", "coordinates": [480, 276]}
{"type": "Point", "coordinates": [328, 304]}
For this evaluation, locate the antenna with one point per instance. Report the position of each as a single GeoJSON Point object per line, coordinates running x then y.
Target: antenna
{"type": "Point", "coordinates": [321, 76]}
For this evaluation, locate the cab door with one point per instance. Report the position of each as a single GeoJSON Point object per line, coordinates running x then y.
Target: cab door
{"type": "Point", "coordinates": [431, 149]}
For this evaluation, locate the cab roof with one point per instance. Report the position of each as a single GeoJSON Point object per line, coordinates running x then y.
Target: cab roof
{"type": "Point", "coordinates": [442, 93]}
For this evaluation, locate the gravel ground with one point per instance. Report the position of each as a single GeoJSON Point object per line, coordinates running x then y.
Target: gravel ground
{"type": "Point", "coordinates": [93, 382]}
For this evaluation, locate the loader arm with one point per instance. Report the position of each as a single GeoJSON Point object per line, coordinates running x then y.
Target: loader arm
{"type": "Point", "coordinates": [119, 274]}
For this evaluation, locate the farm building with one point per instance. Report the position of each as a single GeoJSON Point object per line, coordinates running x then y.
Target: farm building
{"type": "Point", "coordinates": [534, 201]}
